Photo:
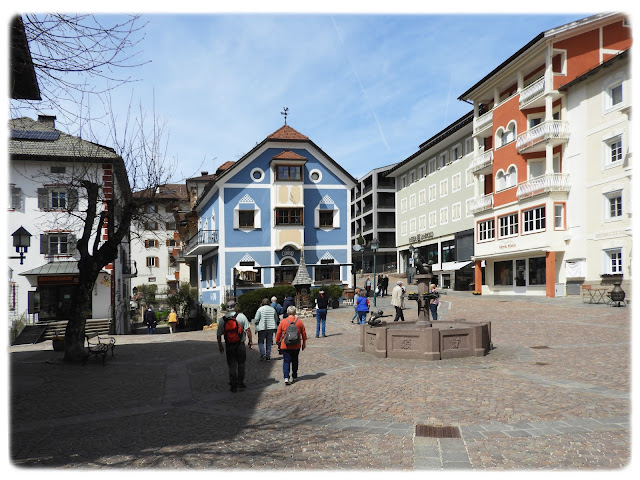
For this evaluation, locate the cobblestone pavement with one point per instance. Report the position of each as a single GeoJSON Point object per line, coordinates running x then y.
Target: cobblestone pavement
{"type": "Point", "coordinates": [553, 394]}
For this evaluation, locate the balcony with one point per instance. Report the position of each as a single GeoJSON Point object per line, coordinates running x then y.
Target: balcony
{"type": "Point", "coordinates": [483, 123]}
{"type": "Point", "coordinates": [129, 269]}
{"type": "Point", "coordinates": [554, 182]}
{"type": "Point", "coordinates": [537, 138]}
{"type": "Point", "coordinates": [202, 242]}
{"type": "Point", "coordinates": [530, 94]}
{"type": "Point", "coordinates": [481, 204]}
{"type": "Point", "coordinates": [483, 163]}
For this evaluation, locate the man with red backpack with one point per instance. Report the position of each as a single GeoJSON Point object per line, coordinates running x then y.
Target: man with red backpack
{"type": "Point", "coordinates": [235, 328]}
{"type": "Point", "coordinates": [291, 337]}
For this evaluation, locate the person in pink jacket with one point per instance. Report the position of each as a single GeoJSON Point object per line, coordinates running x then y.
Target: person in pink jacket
{"type": "Point", "coordinates": [291, 352]}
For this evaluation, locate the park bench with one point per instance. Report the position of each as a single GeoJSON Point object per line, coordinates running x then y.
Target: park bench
{"type": "Point", "coordinates": [99, 345]}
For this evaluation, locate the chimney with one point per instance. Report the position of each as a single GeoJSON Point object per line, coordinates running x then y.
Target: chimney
{"type": "Point", "coordinates": [204, 173]}
{"type": "Point", "coordinates": [49, 120]}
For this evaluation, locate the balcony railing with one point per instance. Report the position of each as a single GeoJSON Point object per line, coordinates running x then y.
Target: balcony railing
{"type": "Point", "coordinates": [481, 204]}
{"type": "Point", "coordinates": [483, 122]}
{"type": "Point", "coordinates": [551, 130]}
{"type": "Point", "coordinates": [554, 182]}
{"type": "Point", "coordinates": [481, 161]}
{"type": "Point", "coordinates": [533, 91]}
{"type": "Point", "coordinates": [204, 239]}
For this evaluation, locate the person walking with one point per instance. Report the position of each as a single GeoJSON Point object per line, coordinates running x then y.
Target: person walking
{"type": "Point", "coordinates": [356, 295]}
{"type": "Point", "coordinates": [288, 301]}
{"type": "Point", "coordinates": [150, 320]}
{"type": "Point", "coordinates": [266, 321]}
{"type": "Point", "coordinates": [173, 321]}
{"type": "Point", "coordinates": [235, 328]}
{"type": "Point", "coordinates": [367, 286]}
{"type": "Point", "coordinates": [385, 285]}
{"type": "Point", "coordinates": [291, 352]}
{"type": "Point", "coordinates": [322, 302]}
{"type": "Point", "coordinates": [397, 297]}
{"type": "Point", "coordinates": [278, 308]}
{"type": "Point", "coordinates": [379, 287]}
{"type": "Point", "coordinates": [434, 302]}
{"type": "Point", "coordinates": [362, 308]}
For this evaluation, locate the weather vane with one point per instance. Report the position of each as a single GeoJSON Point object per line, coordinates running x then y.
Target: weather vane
{"type": "Point", "coordinates": [285, 113]}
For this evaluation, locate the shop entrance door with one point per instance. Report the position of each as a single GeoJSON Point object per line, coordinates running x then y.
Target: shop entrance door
{"type": "Point", "coordinates": [520, 281]}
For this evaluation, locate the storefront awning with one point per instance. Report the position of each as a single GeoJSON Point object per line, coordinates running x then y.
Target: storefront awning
{"type": "Point", "coordinates": [54, 269]}
{"type": "Point", "coordinates": [246, 268]}
{"type": "Point", "coordinates": [448, 266]}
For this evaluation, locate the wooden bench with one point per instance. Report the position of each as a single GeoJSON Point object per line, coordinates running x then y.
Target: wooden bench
{"type": "Point", "coordinates": [99, 345]}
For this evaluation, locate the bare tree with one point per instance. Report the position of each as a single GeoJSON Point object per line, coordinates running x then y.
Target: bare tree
{"type": "Point", "coordinates": [77, 57]}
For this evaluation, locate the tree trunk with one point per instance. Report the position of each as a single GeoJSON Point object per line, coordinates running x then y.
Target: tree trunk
{"type": "Point", "coordinates": [74, 336]}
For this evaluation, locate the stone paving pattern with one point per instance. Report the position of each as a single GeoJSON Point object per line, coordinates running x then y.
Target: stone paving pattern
{"type": "Point", "coordinates": [163, 401]}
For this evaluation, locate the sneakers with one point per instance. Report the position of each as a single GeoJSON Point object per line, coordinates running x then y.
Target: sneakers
{"type": "Point", "coordinates": [286, 381]}
{"type": "Point", "coordinates": [263, 357]}
{"type": "Point", "coordinates": [292, 380]}
{"type": "Point", "coordinates": [268, 359]}
{"type": "Point", "coordinates": [323, 335]}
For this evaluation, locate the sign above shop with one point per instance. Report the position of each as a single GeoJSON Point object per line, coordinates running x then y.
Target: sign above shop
{"type": "Point", "coordinates": [421, 237]}
{"type": "Point", "coordinates": [57, 280]}
{"type": "Point", "coordinates": [507, 245]}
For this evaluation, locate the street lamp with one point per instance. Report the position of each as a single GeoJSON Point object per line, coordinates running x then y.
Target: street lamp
{"type": "Point", "coordinates": [374, 247]}
{"type": "Point", "coordinates": [22, 242]}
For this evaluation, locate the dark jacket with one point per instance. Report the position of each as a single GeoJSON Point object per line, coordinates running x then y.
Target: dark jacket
{"type": "Point", "coordinates": [288, 301]}
{"type": "Point", "coordinates": [150, 318]}
{"type": "Point", "coordinates": [322, 301]}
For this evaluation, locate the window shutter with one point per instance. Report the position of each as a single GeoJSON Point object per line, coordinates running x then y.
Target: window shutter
{"type": "Point", "coordinates": [146, 244]}
{"type": "Point", "coordinates": [167, 242]}
{"type": "Point", "coordinates": [43, 198]}
{"type": "Point", "coordinates": [316, 217]}
{"type": "Point", "coordinates": [336, 218]}
{"type": "Point", "coordinates": [236, 218]}
{"type": "Point", "coordinates": [44, 244]}
{"type": "Point", "coordinates": [157, 261]}
{"type": "Point", "coordinates": [71, 244]}
{"type": "Point", "coordinates": [16, 198]}
{"type": "Point", "coordinates": [73, 199]}
{"type": "Point", "coordinates": [257, 218]}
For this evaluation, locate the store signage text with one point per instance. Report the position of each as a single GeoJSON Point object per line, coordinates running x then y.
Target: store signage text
{"type": "Point", "coordinates": [421, 237]}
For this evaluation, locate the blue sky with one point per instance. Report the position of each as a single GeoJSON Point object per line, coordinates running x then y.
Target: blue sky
{"type": "Point", "coordinates": [366, 88]}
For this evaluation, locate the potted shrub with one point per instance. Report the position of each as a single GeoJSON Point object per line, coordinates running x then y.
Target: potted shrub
{"type": "Point", "coordinates": [58, 343]}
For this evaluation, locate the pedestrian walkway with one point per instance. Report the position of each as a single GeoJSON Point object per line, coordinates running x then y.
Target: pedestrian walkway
{"type": "Point", "coordinates": [553, 394]}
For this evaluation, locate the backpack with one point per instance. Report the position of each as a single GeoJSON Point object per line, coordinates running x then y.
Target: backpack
{"type": "Point", "coordinates": [232, 330]}
{"type": "Point", "coordinates": [291, 336]}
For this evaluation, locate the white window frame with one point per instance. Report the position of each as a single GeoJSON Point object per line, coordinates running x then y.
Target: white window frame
{"type": "Point", "coordinates": [469, 177]}
{"type": "Point", "coordinates": [443, 159]}
{"type": "Point", "coordinates": [412, 201]}
{"type": "Point", "coordinates": [422, 171]}
{"type": "Point", "coordinates": [534, 224]}
{"type": "Point", "coordinates": [444, 187]}
{"type": "Point", "coordinates": [403, 205]}
{"type": "Point", "coordinates": [508, 225]}
{"type": "Point", "coordinates": [403, 182]}
{"type": "Point", "coordinates": [412, 177]}
{"type": "Point", "coordinates": [422, 222]}
{"type": "Point", "coordinates": [412, 225]}
{"type": "Point", "coordinates": [563, 61]}
{"type": "Point", "coordinates": [559, 218]}
{"type": "Point", "coordinates": [608, 151]}
{"type": "Point", "coordinates": [456, 182]}
{"type": "Point", "coordinates": [433, 193]}
{"type": "Point", "coordinates": [456, 152]}
{"type": "Point", "coordinates": [608, 198]}
{"type": "Point", "coordinates": [422, 197]}
{"type": "Point", "coordinates": [444, 215]}
{"type": "Point", "coordinates": [612, 85]}
{"type": "Point", "coordinates": [257, 217]}
{"type": "Point", "coordinates": [613, 264]}
{"type": "Point", "coordinates": [486, 230]}
{"type": "Point", "coordinates": [468, 145]}
{"type": "Point", "coordinates": [432, 166]}
{"type": "Point", "coordinates": [433, 219]}
{"type": "Point", "coordinates": [456, 212]}
{"type": "Point", "coordinates": [403, 229]}
{"type": "Point", "coordinates": [468, 205]}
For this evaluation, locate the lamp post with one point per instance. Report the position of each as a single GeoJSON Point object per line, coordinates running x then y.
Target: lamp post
{"type": "Point", "coordinates": [356, 248]}
{"type": "Point", "coordinates": [22, 242]}
{"type": "Point", "coordinates": [374, 247]}
{"type": "Point", "coordinates": [412, 250]}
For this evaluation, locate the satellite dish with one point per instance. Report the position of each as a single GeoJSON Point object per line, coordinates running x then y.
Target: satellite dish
{"type": "Point", "coordinates": [357, 248]}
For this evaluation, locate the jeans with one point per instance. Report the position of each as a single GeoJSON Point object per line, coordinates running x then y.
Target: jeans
{"type": "Point", "coordinates": [362, 316]}
{"type": "Point", "coordinates": [355, 315]}
{"type": "Point", "coordinates": [150, 330]}
{"type": "Point", "coordinates": [399, 314]}
{"type": "Point", "coordinates": [265, 340]}
{"type": "Point", "coordinates": [290, 360]}
{"type": "Point", "coordinates": [434, 311]}
{"type": "Point", "coordinates": [321, 319]}
{"type": "Point", "coordinates": [236, 359]}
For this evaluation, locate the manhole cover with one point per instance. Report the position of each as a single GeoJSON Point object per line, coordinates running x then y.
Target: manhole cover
{"type": "Point", "coordinates": [539, 347]}
{"type": "Point", "coordinates": [437, 432]}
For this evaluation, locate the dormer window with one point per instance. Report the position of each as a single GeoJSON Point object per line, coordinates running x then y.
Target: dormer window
{"type": "Point", "coordinates": [289, 172]}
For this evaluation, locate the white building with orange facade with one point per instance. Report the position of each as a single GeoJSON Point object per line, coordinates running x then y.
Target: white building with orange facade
{"type": "Point", "coordinates": [552, 162]}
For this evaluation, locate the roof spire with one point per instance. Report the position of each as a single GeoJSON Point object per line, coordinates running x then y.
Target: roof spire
{"type": "Point", "coordinates": [285, 113]}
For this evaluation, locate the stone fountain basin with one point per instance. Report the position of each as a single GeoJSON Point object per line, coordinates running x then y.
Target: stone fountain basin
{"type": "Point", "coordinates": [443, 340]}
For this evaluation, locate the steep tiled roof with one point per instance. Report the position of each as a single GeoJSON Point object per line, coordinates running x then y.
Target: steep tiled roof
{"type": "Point", "coordinates": [62, 146]}
{"type": "Point", "coordinates": [170, 191]}
{"type": "Point", "coordinates": [302, 275]}
{"type": "Point", "coordinates": [289, 155]}
{"type": "Point", "coordinates": [225, 166]}
{"type": "Point", "coordinates": [287, 133]}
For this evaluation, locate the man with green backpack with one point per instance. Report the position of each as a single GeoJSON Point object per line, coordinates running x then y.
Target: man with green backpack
{"type": "Point", "coordinates": [235, 328]}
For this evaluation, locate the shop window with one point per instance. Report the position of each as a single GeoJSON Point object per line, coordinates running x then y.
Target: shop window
{"type": "Point", "coordinates": [286, 272]}
{"type": "Point", "coordinates": [431, 253]}
{"type": "Point", "coordinates": [503, 273]}
{"type": "Point", "coordinates": [448, 251]}
{"type": "Point", "coordinates": [537, 271]}
{"type": "Point", "coordinates": [533, 220]}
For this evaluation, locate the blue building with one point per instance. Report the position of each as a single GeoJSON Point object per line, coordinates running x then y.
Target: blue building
{"type": "Point", "coordinates": [255, 217]}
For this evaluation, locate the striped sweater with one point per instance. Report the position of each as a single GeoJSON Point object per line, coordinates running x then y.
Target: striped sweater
{"type": "Point", "coordinates": [265, 318]}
